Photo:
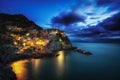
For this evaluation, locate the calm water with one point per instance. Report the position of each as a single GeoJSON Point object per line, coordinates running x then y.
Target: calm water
{"type": "Point", "coordinates": [104, 64]}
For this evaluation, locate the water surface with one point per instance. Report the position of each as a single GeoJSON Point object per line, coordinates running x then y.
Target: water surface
{"type": "Point", "coordinates": [104, 64]}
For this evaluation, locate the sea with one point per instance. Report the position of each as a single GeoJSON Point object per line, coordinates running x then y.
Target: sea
{"type": "Point", "coordinates": [103, 64]}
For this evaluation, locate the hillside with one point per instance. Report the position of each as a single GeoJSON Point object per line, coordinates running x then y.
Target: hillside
{"type": "Point", "coordinates": [18, 20]}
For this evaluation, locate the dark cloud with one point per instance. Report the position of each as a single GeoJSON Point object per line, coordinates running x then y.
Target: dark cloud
{"type": "Point", "coordinates": [98, 35]}
{"type": "Point", "coordinates": [67, 18]}
{"type": "Point", "coordinates": [114, 4]}
{"type": "Point", "coordinates": [112, 24]}
{"type": "Point", "coordinates": [109, 34]}
{"type": "Point", "coordinates": [91, 31]}
{"type": "Point", "coordinates": [105, 2]}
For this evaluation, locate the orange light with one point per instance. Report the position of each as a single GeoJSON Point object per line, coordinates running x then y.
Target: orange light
{"type": "Point", "coordinates": [41, 42]}
{"type": "Point", "coordinates": [18, 29]}
{"type": "Point", "coordinates": [23, 49]}
{"type": "Point", "coordinates": [13, 35]}
{"type": "Point", "coordinates": [24, 42]}
{"type": "Point", "coordinates": [18, 38]}
{"type": "Point", "coordinates": [19, 68]}
{"type": "Point", "coordinates": [30, 43]}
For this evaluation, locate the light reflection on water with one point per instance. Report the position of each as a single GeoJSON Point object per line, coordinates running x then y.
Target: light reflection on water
{"type": "Point", "coordinates": [60, 62]}
{"type": "Point", "coordinates": [35, 65]}
{"type": "Point", "coordinates": [21, 71]}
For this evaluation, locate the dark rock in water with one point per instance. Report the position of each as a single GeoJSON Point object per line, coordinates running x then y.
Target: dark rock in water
{"type": "Point", "coordinates": [6, 73]}
{"type": "Point", "coordinates": [82, 51]}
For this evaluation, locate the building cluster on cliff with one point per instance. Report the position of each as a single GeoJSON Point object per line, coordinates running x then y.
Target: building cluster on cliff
{"type": "Point", "coordinates": [37, 41]}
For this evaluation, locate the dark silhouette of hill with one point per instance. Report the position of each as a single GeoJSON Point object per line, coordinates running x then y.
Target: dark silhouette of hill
{"type": "Point", "coordinates": [16, 20]}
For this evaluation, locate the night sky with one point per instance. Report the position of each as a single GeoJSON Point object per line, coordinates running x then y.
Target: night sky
{"type": "Point", "coordinates": [86, 19]}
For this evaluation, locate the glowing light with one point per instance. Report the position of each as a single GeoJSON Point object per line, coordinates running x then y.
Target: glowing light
{"type": "Point", "coordinates": [60, 40]}
{"type": "Point", "coordinates": [41, 42]}
{"type": "Point", "coordinates": [60, 62]}
{"type": "Point", "coordinates": [19, 69]}
{"type": "Point", "coordinates": [23, 49]}
{"type": "Point", "coordinates": [18, 28]}
{"type": "Point", "coordinates": [27, 42]}
{"type": "Point", "coordinates": [18, 38]}
{"type": "Point", "coordinates": [36, 64]}
{"type": "Point", "coordinates": [60, 58]}
{"type": "Point", "coordinates": [12, 35]}
{"type": "Point", "coordinates": [27, 34]}
{"type": "Point", "coordinates": [56, 31]}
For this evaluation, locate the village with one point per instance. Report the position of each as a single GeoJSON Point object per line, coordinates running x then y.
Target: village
{"type": "Point", "coordinates": [39, 41]}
